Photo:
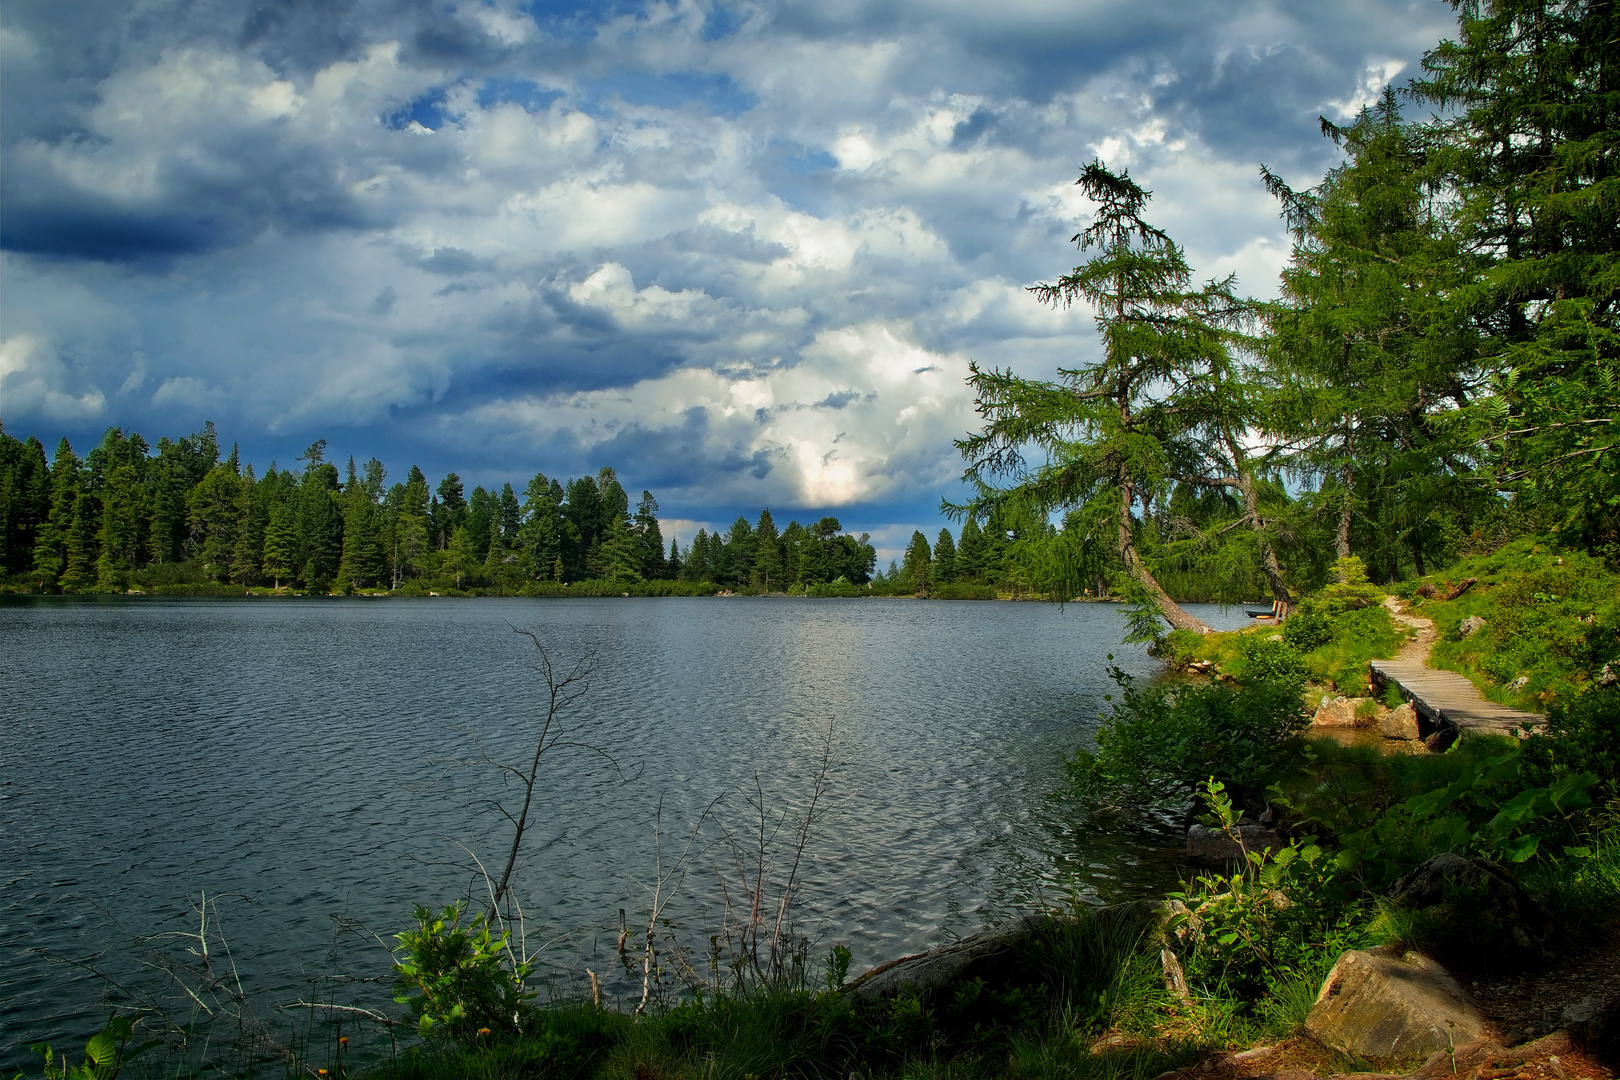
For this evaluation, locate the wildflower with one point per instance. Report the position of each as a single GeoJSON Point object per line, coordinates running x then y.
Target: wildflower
{"type": "Point", "coordinates": [344, 1041]}
{"type": "Point", "coordinates": [483, 1031]}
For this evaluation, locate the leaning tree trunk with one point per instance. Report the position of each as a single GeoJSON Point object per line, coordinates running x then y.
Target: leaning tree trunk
{"type": "Point", "coordinates": [1268, 557]}
{"type": "Point", "coordinates": [1144, 577]}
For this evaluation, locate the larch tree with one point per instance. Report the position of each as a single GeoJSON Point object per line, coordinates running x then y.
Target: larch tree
{"type": "Point", "coordinates": [1110, 432]}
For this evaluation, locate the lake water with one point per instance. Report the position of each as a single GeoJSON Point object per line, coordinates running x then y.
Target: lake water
{"type": "Point", "coordinates": [294, 758]}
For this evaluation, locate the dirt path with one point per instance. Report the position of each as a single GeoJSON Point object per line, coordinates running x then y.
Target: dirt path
{"type": "Point", "coordinates": [1443, 698]}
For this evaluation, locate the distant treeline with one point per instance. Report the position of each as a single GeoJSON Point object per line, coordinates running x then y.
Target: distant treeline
{"type": "Point", "coordinates": [181, 515]}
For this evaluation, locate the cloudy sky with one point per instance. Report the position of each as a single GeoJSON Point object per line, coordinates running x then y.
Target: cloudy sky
{"type": "Point", "coordinates": [741, 251]}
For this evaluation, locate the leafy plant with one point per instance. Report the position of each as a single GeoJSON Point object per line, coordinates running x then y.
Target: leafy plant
{"type": "Point", "coordinates": [460, 980]}
{"type": "Point", "coordinates": [105, 1054]}
{"type": "Point", "coordinates": [1308, 627]}
{"type": "Point", "coordinates": [1260, 930]}
{"type": "Point", "coordinates": [1159, 741]}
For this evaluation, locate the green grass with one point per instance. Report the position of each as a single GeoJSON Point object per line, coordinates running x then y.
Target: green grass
{"type": "Point", "coordinates": [1340, 665]}
{"type": "Point", "coordinates": [1551, 617]}
{"type": "Point", "coordinates": [1038, 1014]}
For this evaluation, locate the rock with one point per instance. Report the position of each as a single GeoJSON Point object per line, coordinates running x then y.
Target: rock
{"type": "Point", "coordinates": [1470, 626]}
{"type": "Point", "coordinates": [1380, 1005]}
{"type": "Point", "coordinates": [1399, 723]}
{"type": "Point", "coordinates": [1212, 847]}
{"type": "Point", "coordinates": [1607, 676]}
{"type": "Point", "coordinates": [1520, 683]}
{"type": "Point", "coordinates": [1473, 901]}
{"type": "Point", "coordinates": [1594, 1024]}
{"type": "Point", "coordinates": [1337, 712]}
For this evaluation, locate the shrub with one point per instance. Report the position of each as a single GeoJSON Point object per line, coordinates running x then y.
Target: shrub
{"type": "Point", "coordinates": [1308, 627]}
{"type": "Point", "coordinates": [1268, 660]}
{"type": "Point", "coordinates": [1160, 742]}
{"type": "Point", "coordinates": [461, 981]}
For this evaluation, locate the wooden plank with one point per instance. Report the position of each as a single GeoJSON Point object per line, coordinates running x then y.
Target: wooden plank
{"type": "Point", "coordinates": [1447, 699]}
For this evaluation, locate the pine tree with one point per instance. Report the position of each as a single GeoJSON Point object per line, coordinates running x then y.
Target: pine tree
{"type": "Point", "coordinates": [247, 554]}
{"type": "Point", "coordinates": [1528, 139]}
{"type": "Point", "coordinates": [119, 462]}
{"type": "Point", "coordinates": [767, 570]}
{"type": "Point", "coordinates": [649, 538]}
{"type": "Point", "coordinates": [917, 568]}
{"type": "Point", "coordinates": [213, 509]}
{"type": "Point", "coordinates": [459, 557]}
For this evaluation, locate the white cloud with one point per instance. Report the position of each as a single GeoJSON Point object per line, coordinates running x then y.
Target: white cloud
{"type": "Point", "coordinates": [775, 242]}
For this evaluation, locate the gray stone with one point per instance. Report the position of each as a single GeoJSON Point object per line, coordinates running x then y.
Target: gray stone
{"type": "Point", "coordinates": [1399, 723]}
{"type": "Point", "coordinates": [1212, 847]}
{"type": "Point", "coordinates": [1337, 712]}
{"type": "Point", "coordinates": [1594, 1024]}
{"type": "Point", "coordinates": [1470, 626]}
{"type": "Point", "coordinates": [1384, 1006]}
{"type": "Point", "coordinates": [1520, 683]}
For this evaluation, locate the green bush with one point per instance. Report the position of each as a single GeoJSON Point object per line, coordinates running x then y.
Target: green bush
{"type": "Point", "coordinates": [1265, 659]}
{"type": "Point", "coordinates": [1308, 627]}
{"type": "Point", "coordinates": [1258, 936]}
{"type": "Point", "coordinates": [460, 981]}
{"type": "Point", "coordinates": [840, 587]}
{"type": "Point", "coordinates": [1159, 742]}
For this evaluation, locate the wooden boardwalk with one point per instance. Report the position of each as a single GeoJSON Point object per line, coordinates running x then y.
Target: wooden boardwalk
{"type": "Point", "coordinates": [1443, 699]}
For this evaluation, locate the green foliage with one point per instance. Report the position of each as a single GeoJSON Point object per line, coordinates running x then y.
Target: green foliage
{"type": "Point", "coordinates": [105, 1054]}
{"type": "Point", "coordinates": [1552, 617]}
{"type": "Point", "coordinates": [1484, 798]}
{"type": "Point", "coordinates": [1258, 935]}
{"type": "Point", "coordinates": [1270, 660]}
{"type": "Point", "coordinates": [1308, 628]}
{"type": "Point", "coordinates": [460, 978]}
{"type": "Point", "coordinates": [1159, 742]}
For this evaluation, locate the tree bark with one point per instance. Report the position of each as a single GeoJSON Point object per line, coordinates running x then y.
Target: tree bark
{"type": "Point", "coordinates": [1268, 557]}
{"type": "Point", "coordinates": [1144, 577]}
{"type": "Point", "coordinates": [1342, 541]}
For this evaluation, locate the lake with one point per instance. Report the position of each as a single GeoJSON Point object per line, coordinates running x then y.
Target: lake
{"type": "Point", "coordinates": [297, 760]}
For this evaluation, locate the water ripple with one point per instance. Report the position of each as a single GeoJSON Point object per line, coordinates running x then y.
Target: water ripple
{"type": "Point", "coordinates": [293, 754]}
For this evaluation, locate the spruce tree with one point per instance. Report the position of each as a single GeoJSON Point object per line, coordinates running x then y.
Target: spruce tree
{"type": "Point", "coordinates": [247, 554]}
{"type": "Point", "coordinates": [944, 558]}
{"type": "Point", "coordinates": [916, 570]}
{"type": "Point", "coordinates": [280, 545]}
{"type": "Point", "coordinates": [50, 549]}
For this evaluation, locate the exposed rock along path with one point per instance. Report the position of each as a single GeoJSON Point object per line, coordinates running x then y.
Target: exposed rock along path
{"type": "Point", "coordinates": [1443, 698]}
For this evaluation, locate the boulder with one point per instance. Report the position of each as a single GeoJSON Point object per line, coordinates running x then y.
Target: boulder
{"type": "Point", "coordinates": [1399, 723]}
{"type": "Point", "coordinates": [1383, 1005]}
{"type": "Point", "coordinates": [1594, 1023]}
{"type": "Point", "coordinates": [1471, 902]}
{"type": "Point", "coordinates": [1470, 626]}
{"type": "Point", "coordinates": [1337, 712]}
{"type": "Point", "coordinates": [1212, 847]}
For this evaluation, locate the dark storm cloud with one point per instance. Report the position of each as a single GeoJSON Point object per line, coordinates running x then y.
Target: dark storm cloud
{"type": "Point", "coordinates": [741, 250]}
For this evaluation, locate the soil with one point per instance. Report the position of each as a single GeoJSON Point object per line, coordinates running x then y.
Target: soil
{"type": "Point", "coordinates": [1529, 1005]}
